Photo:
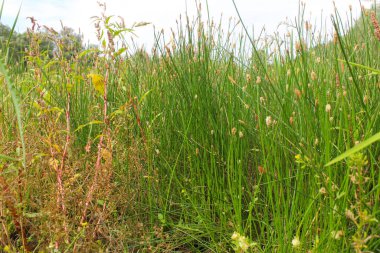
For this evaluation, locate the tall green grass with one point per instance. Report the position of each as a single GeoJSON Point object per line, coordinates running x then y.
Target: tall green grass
{"type": "Point", "coordinates": [206, 140]}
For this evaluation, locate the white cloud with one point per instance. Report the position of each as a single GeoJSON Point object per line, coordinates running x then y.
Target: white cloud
{"type": "Point", "coordinates": [164, 13]}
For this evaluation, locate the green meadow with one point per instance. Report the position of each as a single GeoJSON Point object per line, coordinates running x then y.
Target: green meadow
{"type": "Point", "coordinates": [209, 142]}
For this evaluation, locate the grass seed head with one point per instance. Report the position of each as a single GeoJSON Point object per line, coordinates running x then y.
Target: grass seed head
{"type": "Point", "coordinates": [233, 131]}
{"type": "Point", "coordinates": [313, 76]}
{"type": "Point", "coordinates": [376, 26]}
{"type": "Point", "coordinates": [328, 108]}
{"type": "Point", "coordinates": [258, 80]}
{"type": "Point", "coordinates": [268, 121]}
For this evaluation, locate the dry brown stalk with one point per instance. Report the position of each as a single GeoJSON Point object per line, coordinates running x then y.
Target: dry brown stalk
{"type": "Point", "coordinates": [376, 25]}
{"type": "Point", "coordinates": [94, 183]}
{"type": "Point", "coordinates": [98, 166]}
{"type": "Point", "coordinates": [61, 190]}
{"type": "Point", "coordinates": [136, 110]}
{"type": "Point", "coordinates": [10, 203]}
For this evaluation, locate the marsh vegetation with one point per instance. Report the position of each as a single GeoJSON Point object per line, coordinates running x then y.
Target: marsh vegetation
{"type": "Point", "coordinates": [205, 144]}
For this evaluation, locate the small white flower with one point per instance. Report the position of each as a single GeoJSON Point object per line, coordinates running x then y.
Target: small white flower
{"type": "Point", "coordinates": [241, 243]}
{"type": "Point", "coordinates": [337, 234]}
{"type": "Point", "coordinates": [328, 108]}
{"type": "Point", "coordinates": [268, 121]}
{"type": "Point", "coordinates": [235, 235]}
{"type": "Point", "coordinates": [296, 243]}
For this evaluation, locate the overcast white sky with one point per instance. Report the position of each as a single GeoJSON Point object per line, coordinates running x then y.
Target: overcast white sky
{"type": "Point", "coordinates": [164, 13]}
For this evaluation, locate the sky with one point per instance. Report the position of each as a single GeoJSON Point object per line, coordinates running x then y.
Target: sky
{"type": "Point", "coordinates": [162, 14]}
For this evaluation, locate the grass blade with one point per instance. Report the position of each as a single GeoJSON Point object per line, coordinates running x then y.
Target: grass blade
{"type": "Point", "coordinates": [355, 149]}
{"type": "Point", "coordinates": [17, 109]}
{"type": "Point", "coordinates": [374, 71]}
{"type": "Point", "coordinates": [5, 157]}
{"type": "Point", "coordinates": [11, 34]}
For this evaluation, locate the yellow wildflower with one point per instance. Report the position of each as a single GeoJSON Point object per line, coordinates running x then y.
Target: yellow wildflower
{"type": "Point", "coordinates": [7, 249]}
{"type": "Point", "coordinates": [98, 82]}
{"type": "Point", "coordinates": [69, 87]}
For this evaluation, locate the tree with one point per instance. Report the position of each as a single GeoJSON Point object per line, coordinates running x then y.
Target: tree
{"type": "Point", "coordinates": [49, 43]}
{"type": "Point", "coordinates": [69, 42]}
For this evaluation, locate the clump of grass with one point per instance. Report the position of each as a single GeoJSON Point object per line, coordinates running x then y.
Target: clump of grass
{"type": "Point", "coordinates": [208, 136]}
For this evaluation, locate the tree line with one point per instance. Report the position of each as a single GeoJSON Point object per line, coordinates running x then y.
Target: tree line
{"type": "Point", "coordinates": [49, 42]}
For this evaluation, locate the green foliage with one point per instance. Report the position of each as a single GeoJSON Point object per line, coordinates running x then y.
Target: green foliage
{"type": "Point", "coordinates": [355, 149]}
{"type": "Point", "coordinates": [70, 43]}
{"type": "Point", "coordinates": [204, 138]}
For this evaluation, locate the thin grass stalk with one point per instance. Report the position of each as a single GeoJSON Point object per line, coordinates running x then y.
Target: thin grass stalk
{"type": "Point", "coordinates": [61, 190]}
{"type": "Point", "coordinates": [261, 63]}
{"type": "Point", "coordinates": [22, 168]}
{"type": "Point", "coordinates": [358, 91]}
{"type": "Point", "coordinates": [106, 132]}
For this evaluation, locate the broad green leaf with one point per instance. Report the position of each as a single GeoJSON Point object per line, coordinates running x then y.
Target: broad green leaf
{"type": "Point", "coordinates": [374, 71]}
{"type": "Point", "coordinates": [355, 149]}
{"type": "Point", "coordinates": [116, 112]}
{"type": "Point", "coordinates": [108, 19]}
{"type": "Point", "coordinates": [85, 52]}
{"type": "Point", "coordinates": [161, 218]}
{"type": "Point", "coordinates": [5, 157]}
{"type": "Point", "coordinates": [144, 95]}
{"type": "Point", "coordinates": [94, 122]}
{"type": "Point", "coordinates": [118, 32]}
{"type": "Point", "coordinates": [100, 202]}
{"type": "Point", "coordinates": [120, 51]}
{"type": "Point", "coordinates": [50, 64]}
